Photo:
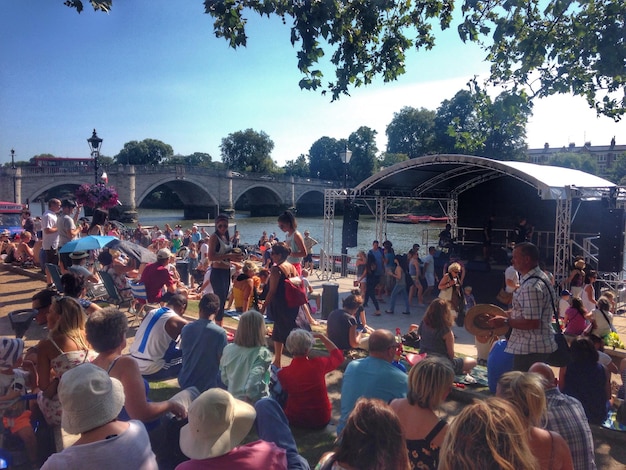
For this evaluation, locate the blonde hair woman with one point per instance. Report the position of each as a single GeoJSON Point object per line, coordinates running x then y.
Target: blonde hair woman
{"type": "Point", "coordinates": [488, 435]}
{"type": "Point", "coordinates": [525, 391]}
{"type": "Point", "coordinates": [430, 381]}
{"type": "Point", "coordinates": [450, 288]}
{"type": "Point", "coordinates": [245, 363]}
{"type": "Point", "coordinates": [64, 349]}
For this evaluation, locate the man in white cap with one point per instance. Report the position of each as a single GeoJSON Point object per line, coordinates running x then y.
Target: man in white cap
{"type": "Point", "coordinates": [91, 401]}
{"type": "Point", "coordinates": [218, 423]}
{"type": "Point", "coordinates": [156, 276]}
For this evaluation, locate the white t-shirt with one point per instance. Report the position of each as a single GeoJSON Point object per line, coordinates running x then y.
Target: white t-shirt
{"type": "Point", "coordinates": [511, 275]}
{"type": "Point", "coordinates": [50, 240]}
{"type": "Point", "coordinates": [204, 251]}
{"type": "Point", "coordinates": [131, 449]}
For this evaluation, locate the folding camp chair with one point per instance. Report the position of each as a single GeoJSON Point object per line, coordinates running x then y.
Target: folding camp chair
{"type": "Point", "coordinates": [141, 304]}
{"type": "Point", "coordinates": [55, 274]}
{"type": "Point", "coordinates": [114, 295]}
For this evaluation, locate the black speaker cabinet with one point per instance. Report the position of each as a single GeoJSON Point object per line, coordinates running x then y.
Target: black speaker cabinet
{"type": "Point", "coordinates": [611, 242]}
{"type": "Point", "coordinates": [350, 226]}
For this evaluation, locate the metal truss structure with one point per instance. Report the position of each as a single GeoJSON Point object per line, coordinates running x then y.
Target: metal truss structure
{"type": "Point", "coordinates": [446, 177]}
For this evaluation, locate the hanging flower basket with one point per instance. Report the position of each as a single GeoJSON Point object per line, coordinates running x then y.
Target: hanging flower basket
{"type": "Point", "coordinates": [97, 196]}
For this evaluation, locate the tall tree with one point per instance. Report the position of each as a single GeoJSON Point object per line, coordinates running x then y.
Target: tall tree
{"type": "Point", "coordinates": [474, 124]}
{"type": "Point", "coordinates": [388, 159]}
{"type": "Point", "coordinates": [362, 165]}
{"type": "Point", "coordinates": [248, 150]}
{"type": "Point", "coordinates": [146, 152]}
{"type": "Point", "coordinates": [411, 132]}
{"type": "Point", "coordinates": [298, 167]}
{"type": "Point", "coordinates": [324, 160]}
{"type": "Point", "coordinates": [575, 160]}
{"type": "Point", "coordinates": [546, 46]}
{"type": "Point", "coordinates": [618, 170]}
{"type": "Point", "coordinates": [506, 121]}
{"type": "Point", "coordinates": [195, 159]}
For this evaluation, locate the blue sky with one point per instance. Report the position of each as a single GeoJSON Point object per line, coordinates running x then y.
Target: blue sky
{"type": "Point", "coordinates": [153, 69]}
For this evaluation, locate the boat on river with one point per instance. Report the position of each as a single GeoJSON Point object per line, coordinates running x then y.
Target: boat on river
{"type": "Point", "coordinates": [415, 219]}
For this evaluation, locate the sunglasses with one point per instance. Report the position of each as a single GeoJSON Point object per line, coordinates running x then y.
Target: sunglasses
{"type": "Point", "coordinates": [222, 226]}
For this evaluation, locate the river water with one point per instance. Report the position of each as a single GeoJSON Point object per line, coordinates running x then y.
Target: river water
{"type": "Point", "coordinates": [403, 236]}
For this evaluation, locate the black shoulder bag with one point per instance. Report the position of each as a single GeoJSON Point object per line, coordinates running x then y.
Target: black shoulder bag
{"type": "Point", "coordinates": [561, 357]}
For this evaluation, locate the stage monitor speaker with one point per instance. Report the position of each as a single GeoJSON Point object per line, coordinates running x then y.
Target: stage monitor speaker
{"type": "Point", "coordinates": [350, 226]}
{"type": "Point", "coordinates": [611, 242]}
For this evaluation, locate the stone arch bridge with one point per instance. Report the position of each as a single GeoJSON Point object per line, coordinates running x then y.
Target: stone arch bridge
{"type": "Point", "coordinates": [202, 191]}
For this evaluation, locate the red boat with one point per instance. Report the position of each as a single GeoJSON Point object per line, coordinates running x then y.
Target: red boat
{"type": "Point", "coordinates": [424, 219]}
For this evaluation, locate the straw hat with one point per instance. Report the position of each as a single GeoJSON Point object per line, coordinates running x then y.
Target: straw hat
{"type": "Point", "coordinates": [89, 397]}
{"type": "Point", "coordinates": [477, 317]}
{"type": "Point", "coordinates": [218, 422]}
{"type": "Point", "coordinates": [79, 255]}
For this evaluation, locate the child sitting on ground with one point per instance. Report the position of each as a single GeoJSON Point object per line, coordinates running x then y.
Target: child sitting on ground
{"type": "Point", "coordinates": [13, 384]}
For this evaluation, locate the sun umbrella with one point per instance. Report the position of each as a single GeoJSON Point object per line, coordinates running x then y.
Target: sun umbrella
{"type": "Point", "coordinates": [132, 250]}
{"type": "Point", "coordinates": [91, 242]}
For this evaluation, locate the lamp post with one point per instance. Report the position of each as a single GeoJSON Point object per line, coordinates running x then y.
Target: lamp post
{"type": "Point", "coordinates": [345, 156]}
{"type": "Point", "coordinates": [95, 143]}
{"type": "Point", "coordinates": [13, 168]}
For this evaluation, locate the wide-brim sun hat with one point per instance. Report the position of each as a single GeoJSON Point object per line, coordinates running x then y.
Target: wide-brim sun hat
{"type": "Point", "coordinates": [477, 320]}
{"type": "Point", "coordinates": [89, 397]}
{"type": "Point", "coordinates": [218, 423]}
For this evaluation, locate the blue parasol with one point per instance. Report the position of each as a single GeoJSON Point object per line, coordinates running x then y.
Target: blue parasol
{"type": "Point", "coordinates": [91, 242]}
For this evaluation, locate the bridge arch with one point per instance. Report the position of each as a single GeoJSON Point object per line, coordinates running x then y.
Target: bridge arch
{"type": "Point", "coordinates": [310, 203]}
{"type": "Point", "coordinates": [261, 199]}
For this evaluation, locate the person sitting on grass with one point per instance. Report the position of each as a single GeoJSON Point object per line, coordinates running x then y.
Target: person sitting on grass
{"type": "Point", "coordinates": [487, 434]}
{"type": "Point", "coordinates": [245, 363]}
{"type": "Point", "coordinates": [106, 332]}
{"type": "Point", "coordinates": [304, 380]}
{"type": "Point", "coordinates": [341, 326]}
{"type": "Point", "coordinates": [437, 338]}
{"type": "Point", "coordinates": [91, 402]}
{"type": "Point", "coordinates": [218, 423]}
{"type": "Point", "coordinates": [202, 344]}
{"type": "Point", "coordinates": [430, 381]}
{"type": "Point", "coordinates": [371, 440]}
{"type": "Point", "coordinates": [156, 341]}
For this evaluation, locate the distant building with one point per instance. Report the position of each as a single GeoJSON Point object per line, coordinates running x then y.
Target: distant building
{"type": "Point", "coordinates": [605, 155]}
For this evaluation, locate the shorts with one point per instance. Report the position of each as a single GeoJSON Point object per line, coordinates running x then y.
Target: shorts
{"type": "Point", "coordinates": [65, 259]}
{"type": "Point", "coordinates": [457, 365]}
{"type": "Point", "coordinates": [16, 424]}
{"type": "Point", "coordinates": [52, 256]}
{"type": "Point", "coordinates": [308, 258]}
{"type": "Point", "coordinates": [430, 279]}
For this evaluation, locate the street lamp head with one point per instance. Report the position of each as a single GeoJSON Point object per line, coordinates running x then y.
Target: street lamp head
{"type": "Point", "coordinates": [94, 142]}
{"type": "Point", "coordinates": [346, 155]}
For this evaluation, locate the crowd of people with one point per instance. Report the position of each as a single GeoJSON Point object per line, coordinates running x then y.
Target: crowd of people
{"type": "Point", "coordinates": [388, 418]}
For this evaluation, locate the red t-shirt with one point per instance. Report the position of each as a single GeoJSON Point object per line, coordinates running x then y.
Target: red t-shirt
{"type": "Point", "coordinates": [304, 381]}
{"type": "Point", "coordinates": [258, 454]}
{"type": "Point", "coordinates": [155, 276]}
